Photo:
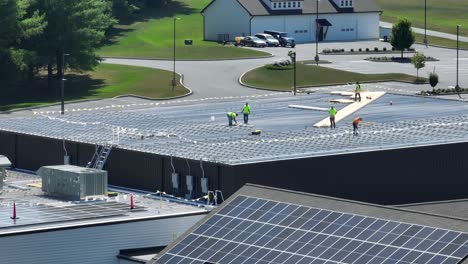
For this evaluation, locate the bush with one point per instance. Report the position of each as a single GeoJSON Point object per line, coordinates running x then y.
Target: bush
{"type": "Point", "coordinates": [326, 51]}
{"type": "Point", "coordinates": [376, 49]}
{"type": "Point", "coordinates": [367, 49]}
{"type": "Point", "coordinates": [384, 49]}
{"type": "Point", "coordinates": [351, 50]}
{"type": "Point", "coordinates": [360, 50]}
{"type": "Point", "coordinates": [342, 50]}
{"type": "Point", "coordinates": [433, 79]}
{"type": "Point", "coordinates": [393, 49]}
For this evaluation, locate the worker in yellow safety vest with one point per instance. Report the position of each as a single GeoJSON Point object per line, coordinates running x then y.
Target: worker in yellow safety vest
{"type": "Point", "coordinates": [246, 112]}
{"type": "Point", "coordinates": [231, 117]}
{"type": "Point", "coordinates": [357, 92]}
{"type": "Point", "coordinates": [332, 111]}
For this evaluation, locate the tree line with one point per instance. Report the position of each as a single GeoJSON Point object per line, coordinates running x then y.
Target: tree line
{"type": "Point", "coordinates": [35, 35]}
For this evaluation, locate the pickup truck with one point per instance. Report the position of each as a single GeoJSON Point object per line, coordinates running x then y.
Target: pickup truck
{"type": "Point", "coordinates": [282, 37]}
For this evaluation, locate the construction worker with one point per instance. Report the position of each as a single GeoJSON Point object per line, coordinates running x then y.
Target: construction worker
{"type": "Point", "coordinates": [357, 92]}
{"type": "Point", "coordinates": [332, 111]}
{"type": "Point", "coordinates": [246, 112]}
{"type": "Point", "coordinates": [231, 117]}
{"type": "Point", "coordinates": [356, 122]}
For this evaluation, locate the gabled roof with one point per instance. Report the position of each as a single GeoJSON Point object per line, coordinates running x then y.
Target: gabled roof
{"type": "Point", "coordinates": [258, 8]}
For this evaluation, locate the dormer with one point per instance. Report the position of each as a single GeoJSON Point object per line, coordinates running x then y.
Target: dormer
{"type": "Point", "coordinates": [284, 4]}
{"type": "Point", "coordinates": [344, 3]}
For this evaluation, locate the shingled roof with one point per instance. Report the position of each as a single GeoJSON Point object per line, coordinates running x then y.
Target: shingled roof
{"type": "Point", "coordinates": [258, 8]}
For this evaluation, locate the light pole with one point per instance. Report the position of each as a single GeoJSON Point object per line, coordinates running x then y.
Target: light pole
{"type": "Point", "coordinates": [425, 22]}
{"type": "Point", "coordinates": [62, 85]}
{"type": "Point", "coordinates": [292, 55]}
{"type": "Point", "coordinates": [457, 87]}
{"type": "Point", "coordinates": [316, 33]}
{"type": "Point", "coordinates": [174, 82]}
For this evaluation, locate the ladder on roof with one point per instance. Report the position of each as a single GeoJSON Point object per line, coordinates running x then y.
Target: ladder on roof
{"type": "Point", "coordinates": [100, 156]}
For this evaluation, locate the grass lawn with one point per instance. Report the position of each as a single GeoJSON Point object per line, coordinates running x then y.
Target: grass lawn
{"type": "Point", "coordinates": [108, 80]}
{"type": "Point", "coordinates": [442, 15]}
{"type": "Point", "coordinates": [150, 35]}
{"type": "Point", "coordinates": [310, 75]}
{"type": "Point", "coordinates": [441, 41]}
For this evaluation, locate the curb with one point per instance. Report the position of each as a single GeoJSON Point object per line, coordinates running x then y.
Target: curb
{"type": "Point", "coordinates": [366, 53]}
{"type": "Point", "coordinates": [159, 59]}
{"type": "Point", "coordinates": [115, 97]}
{"type": "Point", "coordinates": [181, 81]}
{"type": "Point", "coordinates": [441, 47]}
{"type": "Point", "coordinates": [318, 85]}
{"type": "Point", "coordinates": [258, 88]}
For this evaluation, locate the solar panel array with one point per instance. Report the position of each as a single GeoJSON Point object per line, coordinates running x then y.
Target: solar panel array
{"type": "Point", "coordinates": [252, 230]}
{"type": "Point", "coordinates": [33, 214]}
{"type": "Point", "coordinates": [188, 132]}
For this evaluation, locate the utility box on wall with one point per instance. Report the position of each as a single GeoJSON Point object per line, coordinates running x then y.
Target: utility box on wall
{"type": "Point", "coordinates": [73, 182]}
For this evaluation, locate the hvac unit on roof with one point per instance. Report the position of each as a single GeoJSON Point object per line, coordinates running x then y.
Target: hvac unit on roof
{"type": "Point", "coordinates": [73, 182]}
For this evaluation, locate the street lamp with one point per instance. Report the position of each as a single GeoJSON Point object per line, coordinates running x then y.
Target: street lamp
{"type": "Point", "coordinates": [316, 33]}
{"type": "Point", "coordinates": [292, 55]}
{"type": "Point", "coordinates": [174, 82]}
{"type": "Point", "coordinates": [62, 85]}
{"type": "Point", "coordinates": [425, 22]}
{"type": "Point", "coordinates": [457, 87]}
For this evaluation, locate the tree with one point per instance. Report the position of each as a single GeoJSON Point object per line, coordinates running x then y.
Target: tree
{"type": "Point", "coordinates": [122, 9]}
{"type": "Point", "coordinates": [402, 35]}
{"type": "Point", "coordinates": [76, 27]}
{"type": "Point", "coordinates": [419, 62]}
{"type": "Point", "coordinates": [17, 26]}
{"type": "Point", "coordinates": [433, 79]}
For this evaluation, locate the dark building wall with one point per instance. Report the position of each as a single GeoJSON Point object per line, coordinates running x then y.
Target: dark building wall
{"type": "Point", "coordinates": [385, 177]}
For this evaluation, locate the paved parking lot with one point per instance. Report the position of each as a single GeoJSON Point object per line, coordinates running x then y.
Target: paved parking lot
{"type": "Point", "coordinates": [219, 79]}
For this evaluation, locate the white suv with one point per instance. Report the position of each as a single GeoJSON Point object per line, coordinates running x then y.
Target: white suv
{"type": "Point", "coordinates": [269, 39]}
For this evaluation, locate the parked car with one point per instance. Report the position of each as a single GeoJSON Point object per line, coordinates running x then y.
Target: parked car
{"type": "Point", "coordinates": [253, 42]}
{"type": "Point", "coordinates": [269, 39]}
{"type": "Point", "coordinates": [282, 37]}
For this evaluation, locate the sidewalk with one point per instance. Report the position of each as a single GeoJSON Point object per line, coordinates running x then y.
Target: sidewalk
{"type": "Point", "coordinates": [430, 32]}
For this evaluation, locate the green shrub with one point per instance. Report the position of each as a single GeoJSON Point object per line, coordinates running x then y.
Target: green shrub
{"type": "Point", "coordinates": [367, 49]}
{"type": "Point", "coordinates": [384, 49]}
{"type": "Point", "coordinates": [376, 49]}
{"type": "Point", "coordinates": [360, 50]}
{"type": "Point", "coordinates": [279, 68]}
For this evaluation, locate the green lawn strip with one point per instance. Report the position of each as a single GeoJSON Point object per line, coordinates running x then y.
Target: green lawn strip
{"type": "Point", "coordinates": [150, 35]}
{"type": "Point", "coordinates": [443, 42]}
{"type": "Point", "coordinates": [442, 15]}
{"type": "Point", "coordinates": [311, 75]}
{"type": "Point", "coordinates": [107, 81]}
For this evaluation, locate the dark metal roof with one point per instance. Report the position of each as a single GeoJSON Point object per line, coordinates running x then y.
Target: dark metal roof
{"type": "Point", "coordinates": [452, 208]}
{"type": "Point", "coordinates": [323, 22]}
{"type": "Point", "coordinates": [258, 8]}
{"type": "Point", "coordinates": [339, 205]}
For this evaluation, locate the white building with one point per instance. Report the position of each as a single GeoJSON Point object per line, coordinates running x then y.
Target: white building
{"type": "Point", "coordinates": [337, 19]}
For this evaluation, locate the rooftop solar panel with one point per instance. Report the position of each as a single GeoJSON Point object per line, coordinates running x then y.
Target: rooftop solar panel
{"type": "Point", "coordinates": [201, 132]}
{"type": "Point", "coordinates": [252, 230]}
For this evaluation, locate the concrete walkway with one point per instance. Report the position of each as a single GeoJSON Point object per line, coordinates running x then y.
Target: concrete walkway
{"type": "Point", "coordinates": [430, 32]}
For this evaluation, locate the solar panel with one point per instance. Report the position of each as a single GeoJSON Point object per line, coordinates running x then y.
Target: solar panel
{"type": "Point", "coordinates": [252, 230]}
